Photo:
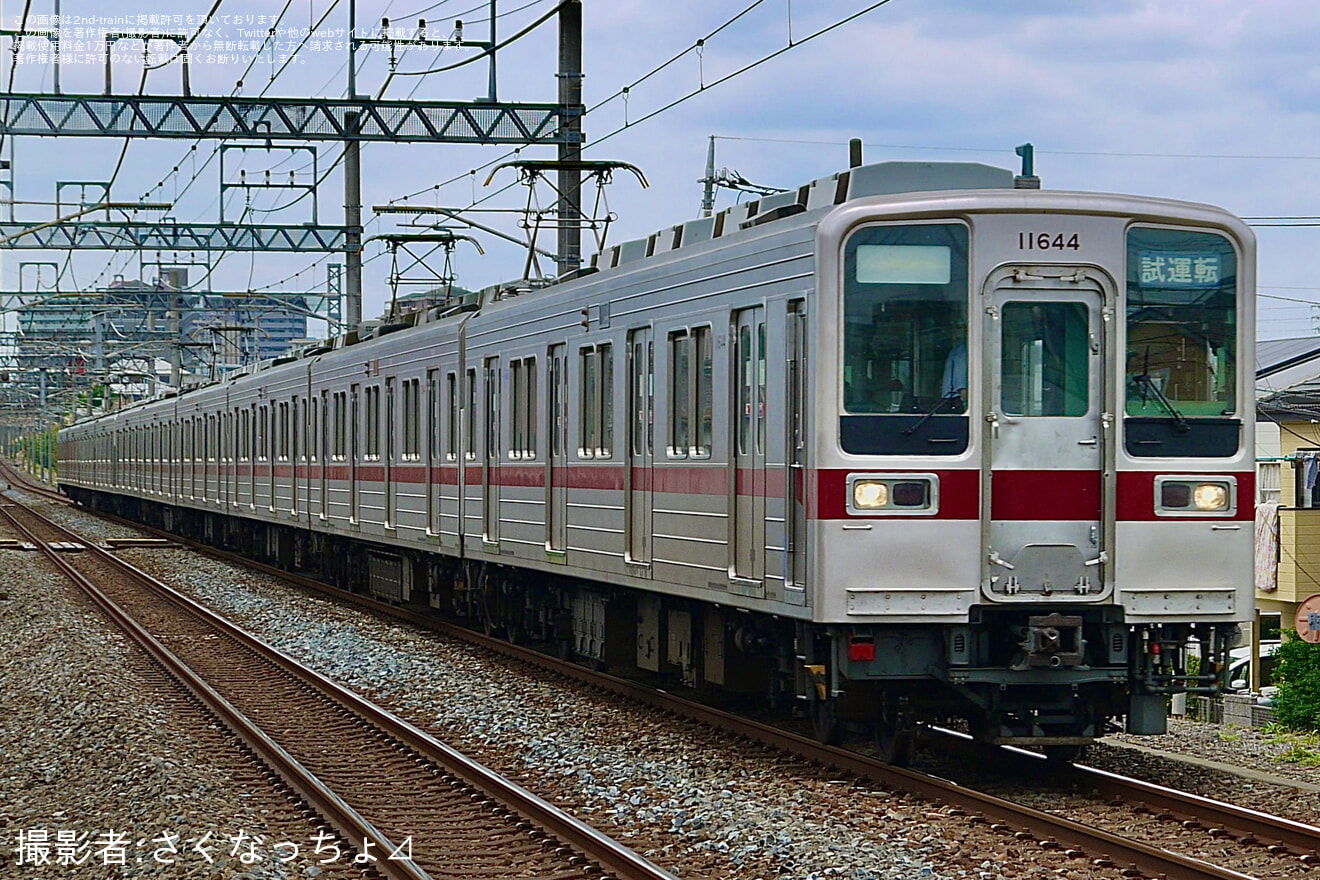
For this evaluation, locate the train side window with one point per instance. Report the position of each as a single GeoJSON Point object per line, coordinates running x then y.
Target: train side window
{"type": "Point", "coordinates": [313, 413]}
{"type": "Point", "coordinates": [412, 419]}
{"type": "Point", "coordinates": [471, 400]}
{"type": "Point", "coordinates": [529, 372]}
{"type": "Point", "coordinates": [590, 409]}
{"type": "Point", "coordinates": [432, 416]}
{"type": "Point", "coordinates": [391, 428]}
{"type": "Point", "coordinates": [680, 390]}
{"type": "Point", "coordinates": [691, 393]}
{"type": "Point", "coordinates": [493, 377]}
{"type": "Point", "coordinates": [606, 447]}
{"type": "Point", "coordinates": [263, 432]}
{"type": "Point", "coordinates": [760, 387]}
{"type": "Point", "coordinates": [284, 432]}
{"type": "Point", "coordinates": [341, 426]}
{"type": "Point", "coordinates": [452, 429]}
{"type": "Point", "coordinates": [371, 444]}
{"type": "Point", "coordinates": [523, 409]}
{"type": "Point", "coordinates": [745, 403]}
{"type": "Point", "coordinates": [558, 392]}
{"type": "Point", "coordinates": [597, 399]}
{"type": "Point", "coordinates": [516, 409]}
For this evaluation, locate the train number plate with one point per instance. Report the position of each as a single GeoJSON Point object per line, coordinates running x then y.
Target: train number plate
{"type": "Point", "coordinates": [1045, 241]}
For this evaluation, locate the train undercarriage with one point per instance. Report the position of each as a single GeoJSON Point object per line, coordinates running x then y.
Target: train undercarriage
{"type": "Point", "coordinates": [1055, 680]}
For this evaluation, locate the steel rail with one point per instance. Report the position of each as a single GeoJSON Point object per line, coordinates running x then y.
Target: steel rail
{"type": "Point", "coordinates": [1245, 824]}
{"type": "Point", "coordinates": [342, 817]}
{"type": "Point", "coordinates": [25, 483]}
{"type": "Point", "coordinates": [612, 857]}
{"type": "Point", "coordinates": [1041, 826]}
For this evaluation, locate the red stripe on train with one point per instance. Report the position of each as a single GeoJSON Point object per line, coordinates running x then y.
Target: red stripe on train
{"type": "Point", "coordinates": [1045, 495]}
{"type": "Point", "coordinates": [1136, 496]}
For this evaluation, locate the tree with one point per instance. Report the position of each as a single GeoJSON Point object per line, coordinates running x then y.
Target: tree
{"type": "Point", "coordinates": [1297, 673]}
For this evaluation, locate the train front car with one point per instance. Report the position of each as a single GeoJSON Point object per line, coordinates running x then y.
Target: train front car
{"type": "Point", "coordinates": [1035, 474]}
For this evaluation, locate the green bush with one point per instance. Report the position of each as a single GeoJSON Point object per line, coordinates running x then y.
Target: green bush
{"type": "Point", "coordinates": [1297, 673]}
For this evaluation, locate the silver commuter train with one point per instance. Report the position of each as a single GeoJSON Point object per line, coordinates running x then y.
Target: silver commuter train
{"type": "Point", "coordinates": [905, 444]}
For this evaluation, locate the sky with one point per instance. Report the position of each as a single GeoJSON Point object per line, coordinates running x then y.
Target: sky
{"type": "Point", "coordinates": [1203, 100]}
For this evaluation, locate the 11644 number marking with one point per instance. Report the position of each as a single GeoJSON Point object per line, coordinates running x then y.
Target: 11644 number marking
{"type": "Point", "coordinates": [1043, 241]}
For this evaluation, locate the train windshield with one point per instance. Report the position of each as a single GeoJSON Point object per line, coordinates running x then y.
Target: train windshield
{"type": "Point", "coordinates": [905, 320]}
{"type": "Point", "coordinates": [1181, 343]}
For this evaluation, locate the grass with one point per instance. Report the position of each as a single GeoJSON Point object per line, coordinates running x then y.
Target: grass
{"type": "Point", "coordinates": [1300, 748]}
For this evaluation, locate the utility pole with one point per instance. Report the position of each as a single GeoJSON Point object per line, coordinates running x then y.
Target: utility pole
{"type": "Point", "coordinates": [569, 209]}
{"type": "Point", "coordinates": [353, 222]}
{"type": "Point", "coordinates": [176, 345]}
{"type": "Point", "coordinates": [708, 192]}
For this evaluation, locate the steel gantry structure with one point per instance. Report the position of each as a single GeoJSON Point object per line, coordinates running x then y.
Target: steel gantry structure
{"type": "Point", "coordinates": [351, 121]}
{"type": "Point", "coordinates": [301, 119]}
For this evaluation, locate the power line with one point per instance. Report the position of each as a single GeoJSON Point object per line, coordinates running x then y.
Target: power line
{"type": "Point", "coordinates": [508, 41]}
{"type": "Point", "coordinates": [703, 88]}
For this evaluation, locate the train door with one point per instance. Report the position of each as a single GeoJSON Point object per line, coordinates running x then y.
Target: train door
{"type": "Point", "coordinates": [795, 482]}
{"type": "Point", "coordinates": [747, 483]}
{"type": "Point", "coordinates": [1046, 434]}
{"type": "Point", "coordinates": [490, 472]}
{"type": "Point", "coordinates": [556, 470]}
{"type": "Point", "coordinates": [391, 499]}
{"type": "Point", "coordinates": [641, 410]}
{"type": "Point", "coordinates": [354, 433]}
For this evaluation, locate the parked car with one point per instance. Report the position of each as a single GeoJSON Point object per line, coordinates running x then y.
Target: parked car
{"type": "Point", "coordinates": [1239, 667]}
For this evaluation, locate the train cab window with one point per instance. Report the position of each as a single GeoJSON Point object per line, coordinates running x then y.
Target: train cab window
{"type": "Point", "coordinates": [904, 357]}
{"type": "Point", "coordinates": [1182, 328]}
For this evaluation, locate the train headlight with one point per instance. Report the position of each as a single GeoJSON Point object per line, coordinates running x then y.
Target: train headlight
{"type": "Point", "coordinates": [1192, 496]}
{"type": "Point", "coordinates": [893, 494]}
{"type": "Point", "coordinates": [1210, 496]}
{"type": "Point", "coordinates": [870, 495]}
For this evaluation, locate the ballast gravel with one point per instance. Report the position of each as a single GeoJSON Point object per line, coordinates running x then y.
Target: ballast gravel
{"type": "Point", "coordinates": [104, 771]}
{"type": "Point", "coordinates": [697, 806]}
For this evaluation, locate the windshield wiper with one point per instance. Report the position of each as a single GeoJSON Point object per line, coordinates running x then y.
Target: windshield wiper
{"type": "Point", "coordinates": [1148, 386]}
{"type": "Point", "coordinates": [939, 405]}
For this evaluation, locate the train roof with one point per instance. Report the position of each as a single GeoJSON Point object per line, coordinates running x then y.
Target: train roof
{"type": "Point", "coordinates": [881, 178]}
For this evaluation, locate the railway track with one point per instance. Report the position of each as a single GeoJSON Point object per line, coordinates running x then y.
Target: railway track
{"type": "Point", "coordinates": [418, 807]}
{"type": "Point", "coordinates": [1276, 838]}
{"type": "Point", "coordinates": [1275, 835]}
{"type": "Point", "coordinates": [24, 481]}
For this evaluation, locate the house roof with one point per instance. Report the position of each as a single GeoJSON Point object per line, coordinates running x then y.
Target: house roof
{"type": "Point", "coordinates": [1288, 373]}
